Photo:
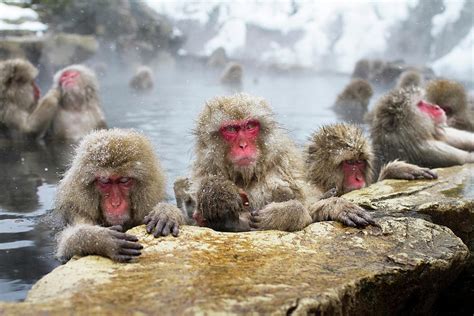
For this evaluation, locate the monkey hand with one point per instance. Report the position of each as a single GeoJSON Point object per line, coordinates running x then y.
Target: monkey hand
{"type": "Point", "coordinates": [219, 201]}
{"type": "Point", "coordinates": [287, 216]}
{"type": "Point", "coordinates": [163, 220]}
{"type": "Point", "coordinates": [282, 194]}
{"type": "Point", "coordinates": [119, 246]}
{"type": "Point", "coordinates": [341, 210]}
{"type": "Point", "coordinates": [402, 170]}
{"type": "Point", "coordinates": [329, 193]}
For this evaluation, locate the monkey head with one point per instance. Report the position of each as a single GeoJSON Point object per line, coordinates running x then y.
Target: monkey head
{"type": "Point", "coordinates": [449, 95]}
{"type": "Point", "coordinates": [232, 73]}
{"type": "Point", "coordinates": [340, 157]}
{"type": "Point", "coordinates": [17, 83]}
{"type": "Point", "coordinates": [433, 111]}
{"type": "Point", "coordinates": [77, 84]}
{"type": "Point", "coordinates": [115, 178]}
{"type": "Point", "coordinates": [236, 136]}
{"type": "Point", "coordinates": [358, 89]}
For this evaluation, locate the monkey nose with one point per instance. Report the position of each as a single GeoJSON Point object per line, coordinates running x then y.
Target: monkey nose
{"type": "Point", "coordinates": [243, 145]}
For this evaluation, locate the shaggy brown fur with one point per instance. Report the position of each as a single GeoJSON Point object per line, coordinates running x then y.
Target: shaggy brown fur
{"type": "Point", "coordinates": [400, 131]}
{"type": "Point", "coordinates": [232, 74]}
{"type": "Point", "coordinates": [409, 78]}
{"type": "Point", "coordinates": [351, 105]}
{"type": "Point", "coordinates": [79, 109]}
{"type": "Point", "coordinates": [21, 115]}
{"type": "Point", "coordinates": [452, 97]}
{"type": "Point", "coordinates": [333, 144]}
{"type": "Point", "coordinates": [142, 80]}
{"type": "Point", "coordinates": [102, 154]}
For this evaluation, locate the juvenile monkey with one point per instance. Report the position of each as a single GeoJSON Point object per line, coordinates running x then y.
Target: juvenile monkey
{"type": "Point", "coordinates": [142, 80]}
{"type": "Point", "coordinates": [409, 78]}
{"type": "Point", "coordinates": [79, 110]}
{"type": "Point", "coordinates": [115, 183]}
{"type": "Point", "coordinates": [339, 156]}
{"type": "Point", "coordinates": [352, 103]}
{"type": "Point", "coordinates": [248, 174]}
{"type": "Point", "coordinates": [404, 127]}
{"type": "Point", "coordinates": [232, 74]}
{"type": "Point", "coordinates": [22, 113]}
{"type": "Point", "coordinates": [452, 98]}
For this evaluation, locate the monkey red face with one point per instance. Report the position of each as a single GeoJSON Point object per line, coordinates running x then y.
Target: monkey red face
{"type": "Point", "coordinates": [69, 78]}
{"type": "Point", "coordinates": [36, 91]}
{"type": "Point", "coordinates": [436, 113]}
{"type": "Point", "coordinates": [241, 136]}
{"type": "Point", "coordinates": [115, 201]}
{"type": "Point", "coordinates": [354, 174]}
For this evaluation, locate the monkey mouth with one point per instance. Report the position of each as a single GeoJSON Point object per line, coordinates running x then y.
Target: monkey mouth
{"type": "Point", "coordinates": [244, 161]}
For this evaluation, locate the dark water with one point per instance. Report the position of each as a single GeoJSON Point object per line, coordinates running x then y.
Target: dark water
{"type": "Point", "coordinates": [31, 171]}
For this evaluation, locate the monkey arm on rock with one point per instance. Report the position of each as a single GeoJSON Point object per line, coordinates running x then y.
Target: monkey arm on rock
{"type": "Point", "coordinates": [115, 182]}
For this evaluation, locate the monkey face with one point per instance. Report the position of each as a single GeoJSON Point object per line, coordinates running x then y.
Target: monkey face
{"type": "Point", "coordinates": [241, 137]}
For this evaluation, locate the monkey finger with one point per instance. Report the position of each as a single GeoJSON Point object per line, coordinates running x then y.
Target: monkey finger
{"type": "Point", "coordinates": [427, 174]}
{"type": "Point", "coordinates": [167, 229]}
{"type": "Point", "coordinates": [433, 173]}
{"type": "Point", "coordinates": [159, 227]}
{"type": "Point", "coordinates": [151, 224]}
{"type": "Point", "coordinates": [130, 237]}
{"type": "Point", "coordinates": [175, 231]}
{"type": "Point", "coordinates": [346, 221]}
{"type": "Point", "coordinates": [122, 258]}
{"type": "Point", "coordinates": [407, 176]}
{"type": "Point", "coordinates": [130, 244]}
{"type": "Point", "coordinates": [358, 220]}
{"type": "Point", "coordinates": [130, 252]}
{"type": "Point", "coordinates": [117, 228]}
{"type": "Point", "coordinates": [254, 226]}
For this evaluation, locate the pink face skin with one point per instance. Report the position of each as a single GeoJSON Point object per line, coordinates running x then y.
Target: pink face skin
{"type": "Point", "coordinates": [241, 136]}
{"type": "Point", "coordinates": [69, 78]}
{"type": "Point", "coordinates": [36, 91]}
{"type": "Point", "coordinates": [115, 200]}
{"type": "Point", "coordinates": [435, 112]}
{"type": "Point", "coordinates": [354, 174]}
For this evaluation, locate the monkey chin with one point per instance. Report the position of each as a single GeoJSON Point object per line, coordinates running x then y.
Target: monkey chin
{"type": "Point", "coordinates": [117, 218]}
{"type": "Point", "coordinates": [244, 162]}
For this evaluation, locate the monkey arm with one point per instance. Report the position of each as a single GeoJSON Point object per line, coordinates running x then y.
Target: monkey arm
{"type": "Point", "coordinates": [286, 216]}
{"type": "Point", "coordinates": [164, 219]}
{"type": "Point", "coordinates": [40, 119]}
{"type": "Point", "coordinates": [185, 197]}
{"type": "Point", "coordinates": [341, 210]}
{"type": "Point", "coordinates": [440, 154]}
{"type": "Point", "coordinates": [85, 239]}
{"type": "Point", "coordinates": [459, 138]}
{"type": "Point", "coordinates": [220, 205]}
{"type": "Point", "coordinates": [402, 170]}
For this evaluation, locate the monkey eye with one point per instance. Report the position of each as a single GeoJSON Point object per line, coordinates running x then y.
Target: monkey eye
{"type": "Point", "coordinates": [231, 128]}
{"type": "Point", "coordinates": [124, 180]}
{"type": "Point", "coordinates": [251, 125]}
{"type": "Point", "coordinates": [350, 162]}
{"type": "Point", "coordinates": [103, 180]}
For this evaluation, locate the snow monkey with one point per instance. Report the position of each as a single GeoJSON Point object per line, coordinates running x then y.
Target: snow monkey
{"type": "Point", "coordinates": [248, 174]}
{"type": "Point", "coordinates": [339, 156]}
{"type": "Point", "coordinates": [142, 80]}
{"type": "Point", "coordinates": [79, 109]}
{"type": "Point", "coordinates": [452, 98]}
{"type": "Point", "coordinates": [22, 113]}
{"type": "Point", "coordinates": [115, 183]}
{"type": "Point", "coordinates": [406, 127]}
{"type": "Point", "coordinates": [232, 74]}
{"type": "Point", "coordinates": [409, 78]}
{"type": "Point", "coordinates": [351, 104]}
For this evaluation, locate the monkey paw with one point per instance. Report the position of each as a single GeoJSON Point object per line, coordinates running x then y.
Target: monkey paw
{"type": "Point", "coordinates": [164, 220]}
{"type": "Point", "coordinates": [121, 247]}
{"type": "Point", "coordinates": [355, 216]}
{"type": "Point", "coordinates": [406, 171]}
{"type": "Point", "coordinates": [329, 193]}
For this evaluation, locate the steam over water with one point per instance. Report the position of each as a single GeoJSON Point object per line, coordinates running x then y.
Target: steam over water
{"type": "Point", "coordinates": [166, 115]}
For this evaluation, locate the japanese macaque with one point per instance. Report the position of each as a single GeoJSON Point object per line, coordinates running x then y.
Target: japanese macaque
{"type": "Point", "coordinates": [248, 175]}
{"type": "Point", "coordinates": [115, 182]}
{"type": "Point", "coordinates": [340, 157]}
{"type": "Point", "coordinates": [22, 113]}
{"type": "Point", "coordinates": [232, 74]}
{"type": "Point", "coordinates": [142, 80]}
{"type": "Point", "coordinates": [405, 127]}
{"type": "Point", "coordinates": [452, 98]}
{"type": "Point", "coordinates": [409, 78]}
{"type": "Point", "coordinates": [351, 105]}
{"type": "Point", "coordinates": [362, 69]}
{"type": "Point", "coordinates": [79, 110]}
{"type": "Point", "coordinates": [218, 58]}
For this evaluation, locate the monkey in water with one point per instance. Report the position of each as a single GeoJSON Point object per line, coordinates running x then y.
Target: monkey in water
{"type": "Point", "coordinates": [340, 157]}
{"type": "Point", "coordinates": [352, 103]}
{"type": "Point", "coordinates": [452, 98]}
{"type": "Point", "coordinates": [115, 182]}
{"type": "Point", "coordinates": [79, 110]}
{"type": "Point", "coordinates": [142, 80]}
{"type": "Point", "coordinates": [404, 126]}
{"type": "Point", "coordinates": [22, 113]}
{"type": "Point", "coordinates": [248, 175]}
